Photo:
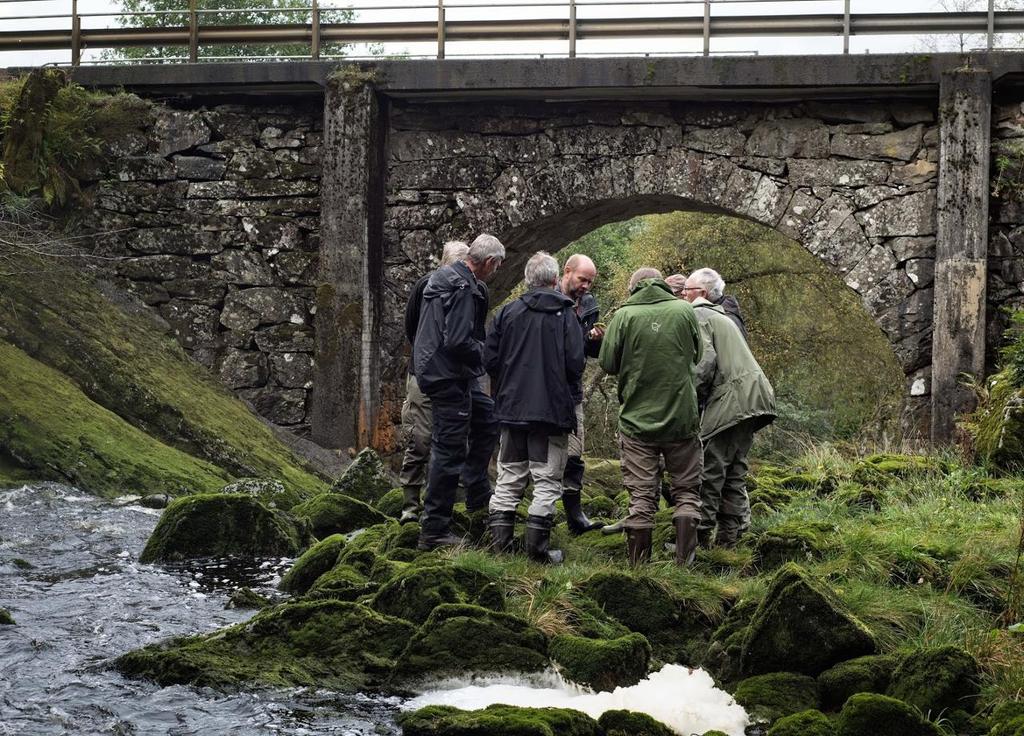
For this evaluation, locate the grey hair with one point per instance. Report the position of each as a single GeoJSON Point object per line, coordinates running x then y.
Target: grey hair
{"type": "Point", "coordinates": [484, 247]}
{"type": "Point", "coordinates": [709, 280]}
{"type": "Point", "coordinates": [454, 250]}
{"type": "Point", "coordinates": [643, 273]}
{"type": "Point", "coordinates": [541, 270]}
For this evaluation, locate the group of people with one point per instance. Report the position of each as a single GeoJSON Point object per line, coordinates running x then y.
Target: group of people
{"type": "Point", "coordinates": [690, 391]}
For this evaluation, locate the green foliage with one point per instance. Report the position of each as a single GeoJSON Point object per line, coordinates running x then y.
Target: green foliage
{"type": "Point", "coordinates": [1008, 182]}
{"type": "Point", "coordinates": [6, 619]}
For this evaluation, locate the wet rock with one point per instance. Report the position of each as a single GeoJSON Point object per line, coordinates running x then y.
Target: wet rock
{"type": "Point", "coordinates": [770, 697]}
{"type": "Point", "coordinates": [630, 723]}
{"type": "Point", "coordinates": [937, 679]}
{"type": "Point", "coordinates": [866, 713]}
{"type": "Point", "coordinates": [801, 627]}
{"type": "Point", "coordinates": [246, 598]}
{"type": "Point", "coordinates": [795, 541]}
{"type": "Point", "coordinates": [602, 664]}
{"type": "Point", "coordinates": [270, 491]}
{"type": "Point", "coordinates": [219, 525]}
{"type": "Point", "coordinates": [365, 478]}
{"type": "Point", "coordinates": [313, 563]}
{"type": "Point", "coordinates": [391, 503]}
{"type": "Point", "coordinates": [242, 268]}
{"type": "Point", "coordinates": [414, 593]}
{"type": "Point", "coordinates": [156, 500]}
{"type": "Point", "coordinates": [804, 723]}
{"type": "Point", "coordinates": [6, 619]}
{"type": "Point", "coordinates": [145, 168]}
{"type": "Point", "coordinates": [342, 582]}
{"type": "Point", "coordinates": [497, 720]}
{"type": "Point", "coordinates": [335, 513]}
{"type": "Point", "coordinates": [870, 674]}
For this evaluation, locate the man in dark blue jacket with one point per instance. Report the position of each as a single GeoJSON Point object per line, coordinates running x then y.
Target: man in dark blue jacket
{"type": "Point", "coordinates": [534, 355]}
{"type": "Point", "coordinates": [448, 361]}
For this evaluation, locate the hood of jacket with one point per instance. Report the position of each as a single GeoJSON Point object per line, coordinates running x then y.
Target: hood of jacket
{"type": "Point", "coordinates": [702, 303]}
{"type": "Point", "coordinates": [449, 278]}
{"type": "Point", "coordinates": [651, 291]}
{"type": "Point", "coordinates": [546, 300]}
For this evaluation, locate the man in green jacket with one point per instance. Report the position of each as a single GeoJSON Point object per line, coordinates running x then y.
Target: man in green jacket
{"type": "Point", "coordinates": [653, 345]}
{"type": "Point", "coordinates": [737, 401]}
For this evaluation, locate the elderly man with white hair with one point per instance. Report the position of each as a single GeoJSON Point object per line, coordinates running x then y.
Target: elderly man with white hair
{"type": "Point", "coordinates": [448, 359]}
{"type": "Point", "coordinates": [737, 399]}
{"type": "Point", "coordinates": [534, 355]}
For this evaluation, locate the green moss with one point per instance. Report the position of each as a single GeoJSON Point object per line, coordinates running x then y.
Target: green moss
{"type": "Point", "coordinates": [313, 563]}
{"type": "Point", "coordinates": [497, 720]}
{"type": "Point", "coordinates": [413, 593]}
{"type": "Point", "coordinates": [602, 477]}
{"type": "Point", "coordinates": [600, 507]}
{"type": "Point", "coordinates": [937, 679]}
{"type": "Point", "coordinates": [218, 525]}
{"type": "Point", "coordinates": [1008, 719]}
{"type": "Point", "coordinates": [588, 619]}
{"type": "Point", "coordinates": [324, 644]}
{"type": "Point", "coordinates": [870, 674]}
{"type": "Point", "coordinates": [602, 664]}
{"type": "Point", "coordinates": [897, 466]}
{"type": "Point", "coordinates": [772, 696]}
{"type": "Point", "coordinates": [124, 364]}
{"type": "Point", "coordinates": [802, 627]}
{"type": "Point", "coordinates": [998, 425]}
{"type": "Point", "coordinates": [365, 479]}
{"type": "Point", "coordinates": [608, 546]}
{"type": "Point", "coordinates": [246, 598]}
{"type": "Point", "coordinates": [458, 639]}
{"type": "Point", "coordinates": [53, 431]}
{"type": "Point", "coordinates": [6, 619]}
{"type": "Point", "coordinates": [343, 583]}
{"type": "Point", "coordinates": [793, 541]}
{"type": "Point", "coordinates": [804, 723]}
{"type": "Point", "coordinates": [867, 714]}
{"type": "Point", "coordinates": [333, 513]}
{"type": "Point", "coordinates": [268, 490]}
{"type": "Point", "coordinates": [630, 723]}
{"type": "Point", "coordinates": [390, 504]}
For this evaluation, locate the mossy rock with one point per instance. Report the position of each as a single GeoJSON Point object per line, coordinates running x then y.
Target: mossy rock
{"type": "Point", "coordinates": [334, 513]}
{"type": "Point", "coordinates": [861, 497]}
{"type": "Point", "coordinates": [457, 639]}
{"type": "Point", "coordinates": [391, 503]}
{"type": "Point", "coordinates": [327, 644]}
{"type": "Point", "coordinates": [270, 491]}
{"type": "Point", "coordinates": [990, 489]}
{"type": "Point", "coordinates": [631, 723]}
{"type": "Point", "coordinates": [1007, 720]}
{"type": "Point", "coordinates": [600, 507]}
{"type": "Point", "coordinates": [794, 541]}
{"type": "Point", "coordinates": [6, 619]}
{"type": "Point", "coordinates": [622, 502]}
{"type": "Point", "coordinates": [871, 674]}
{"type": "Point", "coordinates": [610, 546]}
{"type": "Point", "coordinates": [768, 698]}
{"type": "Point", "coordinates": [769, 494]}
{"type": "Point", "coordinates": [343, 583]}
{"type": "Point", "coordinates": [804, 723]}
{"type": "Point", "coordinates": [801, 626]}
{"type": "Point", "coordinates": [884, 467]}
{"type": "Point", "coordinates": [246, 598]}
{"type": "Point", "coordinates": [722, 657]}
{"type": "Point", "coordinates": [601, 664]}
{"type": "Point", "coordinates": [602, 477]}
{"type": "Point", "coordinates": [313, 563]}
{"type": "Point", "coordinates": [222, 524]}
{"type": "Point", "coordinates": [588, 619]}
{"type": "Point", "coordinates": [497, 720]}
{"type": "Point", "coordinates": [869, 714]}
{"type": "Point", "coordinates": [936, 680]}
{"type": "Point", "coordinates": [365, 479]}
{"type": "Point", "coordinates": [413, 593]}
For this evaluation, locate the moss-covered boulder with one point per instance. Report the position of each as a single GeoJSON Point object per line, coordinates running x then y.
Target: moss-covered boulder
{"type": "Point", "coordinates": [6, 619]}
{"type": "Point", "coordinates": [588, 619]}
{"type": "Point", "coordinates": [334, 513]}
{"type": "Point", "coordinates": [885, 466]}
{"type": "Point", "coordinates": [414, 592]}
{"type": "Point", "coordinates": [804, 723]}
{"type": "Point", "coordinates": [220, 525]}
{"type": "Point", "coordinates": [791, 542]}
{"type": "Point", "coordinates": [1007, 720]}
{"type": "Point", "coordinates": [801, 626]}
{"type": "Point", "coordinates": [631, 723]}
{"type": "Point", "coordinates": [768, 698]}
{"type": "Point", "coordinates": [600, 507]}
{"type": "Point", "coordinates": [870, 674]}
{"type": "Point", "coordinates": [457, 639]}
{"type": "Point", "coordinates": [270, 491]}
{"type": "Point", "coordinates": [365, 479]}
{"type": "Point", "coordinates": [937, 679]}
{"type": "Point", "coordinates": [868, 714]}
{"type": "Point", "coordinates": [601, 664]}
{"type": "Point", "coordinates": [391, 503]}
{"type": "Point", "coordinates": [246, 598]}
{"type": "Point", "coordinates": [342, 582]}
{"type": "Point", "coordinates": [497, 720]}
{"type": "Point", "coordinates": [313, 563]}
{"type": "Point", "coordinates": [325, 644]}
{"type": "Point", "coordinates": [602, 477]}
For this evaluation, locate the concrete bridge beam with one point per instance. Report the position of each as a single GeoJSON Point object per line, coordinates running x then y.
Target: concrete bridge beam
{"type": "Point", "coordinates": [961, 249]}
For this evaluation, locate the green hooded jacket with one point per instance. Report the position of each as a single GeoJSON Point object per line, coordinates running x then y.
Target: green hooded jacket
{"type": "Point", "coordinates": [731, 385]}
{"type": "Point", "coordinates": [653, 345]}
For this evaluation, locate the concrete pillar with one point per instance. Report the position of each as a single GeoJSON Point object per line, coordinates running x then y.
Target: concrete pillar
{"type": "Point", "coordinates": [961, 249]}
{"type": "Point", "coordinates": [349, 291]}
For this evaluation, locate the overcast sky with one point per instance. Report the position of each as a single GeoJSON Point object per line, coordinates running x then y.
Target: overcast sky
{"type": "Point", "coordinates": [36, 10]}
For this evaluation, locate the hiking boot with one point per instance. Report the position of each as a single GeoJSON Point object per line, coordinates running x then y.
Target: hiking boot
{"type": "Point", "coordinates": [686, 540]}
{"type": "Point", "coordinates": [408, 517]}
{"type": "Point", "coordinates": [503, 529]}
{"type": "Point", "coordinates": [434, 541]}
{"type": "Point", "coordinates": [538, 539]}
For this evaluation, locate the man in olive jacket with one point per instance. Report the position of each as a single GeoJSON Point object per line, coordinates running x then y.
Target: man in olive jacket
{"type": "Point", "coordinates": [738, 400]}
{"type": "Point", "coordinates": [653, 344]}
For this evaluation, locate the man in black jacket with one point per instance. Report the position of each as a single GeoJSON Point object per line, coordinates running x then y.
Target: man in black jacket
{"type": "Point", "coordinates": [416, 412]}
{"type": "Point", "coordinates": [448, 361]}
{"type": "Point", "coordinates": [577, 280]}
{"type": "Point", "coordinates": [534, 355]}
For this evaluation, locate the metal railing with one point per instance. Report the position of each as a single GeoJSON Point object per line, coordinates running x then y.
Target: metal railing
{"type": "Point", "coordinates": [571, 28]}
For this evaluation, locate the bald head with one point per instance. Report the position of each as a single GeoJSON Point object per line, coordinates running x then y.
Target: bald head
{"type": "Point", "coordinates": [641, 274]}
{"type": "Point", "coordinates": [676, 282]}
{"type": "Point", "coordinates": [578, 276]}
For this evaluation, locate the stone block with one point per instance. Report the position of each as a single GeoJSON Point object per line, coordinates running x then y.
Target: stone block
{"type": "Point", "coordinates": [159, 268]}
{"type": "Point", "coordinates": [918, 172]}
{"type": "Point", "coordinates": [454, 173]}
{"type": "Point", "coordinates": [243, 368]}
{"type": "Point", "coordinates": [913, 214]}
{"type": "Point", "coordinates": [176, 241]}
{"type": "Point", "coordinates": [247, 309]}
{"type": "Point", "coordinates": [872, 269]}
{"type": "Point", "coordinates": [292, 370]}
{"type": "Point", "coordinates": [242, 268]}
{"type": "Point", "coordinates": [145, 168]}
{"type": "Point", "coordinates": [206, 290]}
{"type": "Point", "coordinates": [836, 173]}
{"type": "Point", "coordinates": [723, 141]}
{"type": "Point", "coordinates": [848, 112]}
{"type": "Point", "coordinates": [176, 130]}
{"type": "Point", "coordinates": [921, 271]}
{"type": "Point", "coordinates": [193, 324]}
{"type": "Point", "coordinates": [279, 405]}
{"type": "Point", "coordinates": [231, 124]}
{"type": "Point", "coordinates": [198, 167]}
{"type": "Point", "coordinates": [906, 248]}
{"type": "Point", "coordinates": [908, 113]}
{"type": "Point", "coordinates": [281, 233]}
{"type": "Point", "coordinates": [252, 188]}
{"type": "Point", "coordinates": [285, 338]}
{"type": "Point", "coordinates": [294, 267]}
{"type": "Point", "coordinates": [252, 163]}
{"type": "Point", "coordinates": [901, 145]}
{"type": "Point", "coordinates": [789, 138]}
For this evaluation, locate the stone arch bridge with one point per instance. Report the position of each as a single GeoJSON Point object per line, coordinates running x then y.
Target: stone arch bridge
{"type": "Point", "coordinates": [880, 166]}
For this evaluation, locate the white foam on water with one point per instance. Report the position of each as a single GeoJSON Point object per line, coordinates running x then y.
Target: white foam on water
{"type": "Point", "coordinates": [685, 700]}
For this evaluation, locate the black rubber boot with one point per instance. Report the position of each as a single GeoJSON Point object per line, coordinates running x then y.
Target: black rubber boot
{"type": "Point", "coordinates": [538, 539]}
{"type": "Point", "coordinates": [428, 542]}
{"type": "Point", "coordinates": [638, 545]}
{"type": "Point", "coordinates": [575, 519]}
{"type": "Point", "coordinates": [686, 540]}
{"type": "Point", "coordinates": [503, 530]}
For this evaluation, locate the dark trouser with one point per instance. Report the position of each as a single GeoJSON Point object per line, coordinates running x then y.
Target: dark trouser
{"type": "Point", "coordinates": [723, 490]}
{"type": "Point", "coordinates": [463, 440]}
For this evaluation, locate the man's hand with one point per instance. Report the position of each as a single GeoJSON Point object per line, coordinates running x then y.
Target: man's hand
{"type": "Point", "coordinates": [596, 333]}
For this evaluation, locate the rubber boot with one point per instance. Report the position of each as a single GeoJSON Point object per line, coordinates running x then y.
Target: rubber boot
{"type": "Point", "coordinates": [411, 506]}
{"type": "Point", "coordinates": [428, 542]}
{"type": "Point", "coordinates": [730, 529]}
{"type": "Point", "coordinates": [575, 519]}
{"type": "Point", "coordinates": [538, 539]}
{"type": "Point", "coordinates": [704, 538]}
{"type": "Point", "coordinates": [503, 530]}
{"type": "Point", "coordinates": [686, 540]}
{"type": "Point", "coordinates": [638, 546]}
{"type": "Point", "coordinates": [615, 528]}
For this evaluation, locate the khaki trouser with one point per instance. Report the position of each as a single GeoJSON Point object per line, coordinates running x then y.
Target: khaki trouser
{"type": "Point", "coordinates": [641, 470]}
{"type": "Point", "coordinates": [545, 467]}
{"type": "Point", "coordinates": [723, 489]}
{"type": "Point", "coordinates": [416, 428]}
{"type": "Point", "coordinates": [576, 443]}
